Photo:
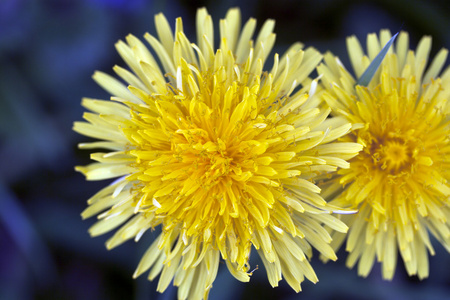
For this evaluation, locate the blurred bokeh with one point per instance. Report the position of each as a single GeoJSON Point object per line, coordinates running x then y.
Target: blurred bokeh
{"type": "Point", "coordinates": [49, 50]}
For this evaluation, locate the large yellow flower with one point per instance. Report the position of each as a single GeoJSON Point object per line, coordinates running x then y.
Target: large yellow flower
{"type": "Point", "coordinates": [217, 152]}
{"type": "Point", "coordinates": [399, 182]}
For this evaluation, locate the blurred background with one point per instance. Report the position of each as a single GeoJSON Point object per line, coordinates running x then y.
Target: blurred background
{"type": "Point", "coordinates": [48, 51]}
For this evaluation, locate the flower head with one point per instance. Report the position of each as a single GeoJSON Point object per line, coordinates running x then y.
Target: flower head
{"type": "Point", "coordinates": [218, 153]}
{"type": "Point", "coordinates": [399, 182]}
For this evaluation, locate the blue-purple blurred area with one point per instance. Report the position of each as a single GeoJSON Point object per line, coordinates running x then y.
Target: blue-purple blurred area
{"type": "Point", "coordinates": [48, 52]}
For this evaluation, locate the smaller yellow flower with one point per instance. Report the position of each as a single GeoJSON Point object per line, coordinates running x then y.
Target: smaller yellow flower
{"type": "Point", "coordinates": [400, 181]}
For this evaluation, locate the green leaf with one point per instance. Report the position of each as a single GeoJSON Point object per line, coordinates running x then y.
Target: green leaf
{"type": "Point", "coordinates": [368, 74]}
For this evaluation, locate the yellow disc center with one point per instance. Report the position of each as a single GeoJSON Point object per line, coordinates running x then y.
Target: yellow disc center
{"type": "Point", "coordinates": [392, 155]}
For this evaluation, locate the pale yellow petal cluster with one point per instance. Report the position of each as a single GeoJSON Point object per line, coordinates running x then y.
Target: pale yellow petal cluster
{"type": "Point", "coordinates": [400, 181]}
{"type": "Point", "coordinates": [217, 152]}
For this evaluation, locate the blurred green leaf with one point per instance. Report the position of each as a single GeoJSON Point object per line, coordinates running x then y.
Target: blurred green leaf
{"type": "Point", "coordinates": [368, 74]}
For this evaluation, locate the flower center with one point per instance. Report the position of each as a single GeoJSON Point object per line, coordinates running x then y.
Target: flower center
{"type": "Point", "coordinates": [210, 161]}
{"type": "Point", "coordinates": [392, 155]}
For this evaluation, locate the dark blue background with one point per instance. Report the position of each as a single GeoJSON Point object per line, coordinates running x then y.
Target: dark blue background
{"type": "Point", "coordinates": [48, 52]}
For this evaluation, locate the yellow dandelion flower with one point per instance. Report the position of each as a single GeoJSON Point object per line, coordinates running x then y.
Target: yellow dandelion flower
{"type": "Point", "coordinates": [218, 153]}
{"type": "Point", "coordinates": [399, 182]}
